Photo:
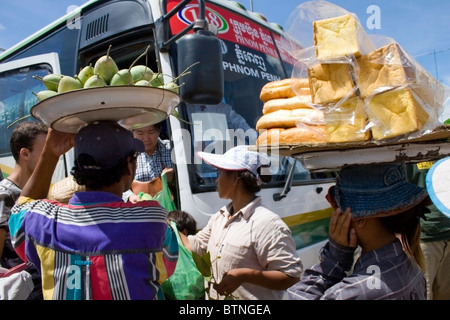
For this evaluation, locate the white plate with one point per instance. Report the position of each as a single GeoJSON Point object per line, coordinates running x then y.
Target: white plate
{"type": "Point", "coordinates": [70, 111]}
{"type": "Point", "coordinates": [438, 185]}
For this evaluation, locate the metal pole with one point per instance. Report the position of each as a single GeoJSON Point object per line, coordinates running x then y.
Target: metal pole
{"type": "Point", "coordinates": [435, 65]}
{"type": "Point", "coordinates": [251, 5]}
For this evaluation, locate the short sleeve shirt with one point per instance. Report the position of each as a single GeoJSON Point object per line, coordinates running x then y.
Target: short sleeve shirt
{"type": "Point", "coordinates": [254, 237]}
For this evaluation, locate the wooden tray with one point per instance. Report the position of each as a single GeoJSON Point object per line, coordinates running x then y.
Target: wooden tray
{"type": "Point", "coordinates": [332, 156]}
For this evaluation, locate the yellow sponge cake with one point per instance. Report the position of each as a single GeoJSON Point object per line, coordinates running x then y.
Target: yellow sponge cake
{"type": "Point", "coordinates": [330, 82]}
{"type": "Point", "coordinates": [336, 37]}
{"type": "Point", "coordinates": [385, 67]}
{"type": "Point", "coordinates": [390, 66]}
{"type": "Point", "coordinates": [347, 122]}
{"type": "Point", "coordinates": [395, 112]}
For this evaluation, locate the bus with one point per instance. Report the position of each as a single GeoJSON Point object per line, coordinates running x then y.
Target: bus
{"type": "Point", "coordinates": [250, 57]}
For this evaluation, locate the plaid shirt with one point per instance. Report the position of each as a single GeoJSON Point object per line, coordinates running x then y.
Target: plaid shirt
{"type": "Point", "coordinates": [385, 273]}
{"type": "Point", "coordinates": [149, 167]}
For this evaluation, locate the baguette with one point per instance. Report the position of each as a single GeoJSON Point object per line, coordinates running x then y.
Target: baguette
{"type": "Point", "coordinates": [287, 104]}
{"type": "Point", "coordinates": [290, 118]}
{"type": "Point", "coordinates": [286, 88]}
{"type": "Point", "coordinates": [269, 136]}
{"type": "Point", "coordinates": [305, 134]}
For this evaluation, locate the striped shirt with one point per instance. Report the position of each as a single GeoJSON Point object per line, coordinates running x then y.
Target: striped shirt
{"type": "Point", "coordinates": [386, 273]}
{"type": "Point", "coordinates": [96, 247]}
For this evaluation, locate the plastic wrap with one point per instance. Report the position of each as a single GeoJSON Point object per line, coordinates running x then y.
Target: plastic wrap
{"type": "Point", "coordinates": [299, 38]}
{"type": "Point", "coordinates": [367, 86]}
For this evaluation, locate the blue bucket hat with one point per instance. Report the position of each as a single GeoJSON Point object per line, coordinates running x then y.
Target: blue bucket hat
{"type": "Point", "coordinates": [376, 190]}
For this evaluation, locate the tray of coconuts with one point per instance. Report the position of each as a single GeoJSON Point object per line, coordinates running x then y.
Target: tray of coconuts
{"type": "Point", "coordinates": [103, 92]}
{"type": "Point", "coordinates": [351, 99]}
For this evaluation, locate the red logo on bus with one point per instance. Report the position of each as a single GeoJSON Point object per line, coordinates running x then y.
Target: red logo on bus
{"type": "Point", "coordinates": [190, 13]}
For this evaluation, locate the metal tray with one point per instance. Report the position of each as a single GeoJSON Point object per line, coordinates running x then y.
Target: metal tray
{"type": "Point", "coordinates": [70, 111]}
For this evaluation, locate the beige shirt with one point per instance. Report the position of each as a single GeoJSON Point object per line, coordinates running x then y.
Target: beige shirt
{"type": "Point", "coordinates": [254, 237]}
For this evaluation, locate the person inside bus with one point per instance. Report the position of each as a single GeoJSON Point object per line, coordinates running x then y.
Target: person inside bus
{"type": "Point", "coordinates": [26, 143]}
{"type": "Point", "coordinates": [377, 209]}
{"type": "Point", "coordinates": [252, 251]}
{"type": "Point", "coordinates": [98, 247]}
{"type": "Point", "coordinates": [221, 117]}
{"type": "Point", "coordinates": [157, 156]}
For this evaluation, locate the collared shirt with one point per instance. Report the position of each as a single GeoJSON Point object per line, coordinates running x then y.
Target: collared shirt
{"type": "Point", "coordinates": [149, 167]}
{"type": "Point", "coordinates": [387, 273]}
{"type": "Point", "coordinates": [96, 247]}
{"type": "Point", "coordinates": [254, 237]}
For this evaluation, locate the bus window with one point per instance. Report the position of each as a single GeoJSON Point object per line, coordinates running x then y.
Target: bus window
{"type": "Point", "coordinates": [15, 102]}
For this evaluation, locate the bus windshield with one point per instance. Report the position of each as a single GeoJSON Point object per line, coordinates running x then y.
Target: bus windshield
{"type": "Point", "coordinates": [251, 58]}
{"type": "Point", "coordinates": [19, 102]}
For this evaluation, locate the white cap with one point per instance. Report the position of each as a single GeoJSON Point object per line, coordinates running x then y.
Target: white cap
{"type": "Point", "coordinates": [236, 159]}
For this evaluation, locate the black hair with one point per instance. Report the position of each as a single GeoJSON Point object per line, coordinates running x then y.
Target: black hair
{"type": "Point", "coordinates": [406, 226]}
{"type": "Point", "coordinates": [96, 179]}
{"type": "Point", "coordinates": [24, 135]}
{"type": "Point", "coordinates": [251, 182]}
{"type": "Point", "coordinates": [183, 220]}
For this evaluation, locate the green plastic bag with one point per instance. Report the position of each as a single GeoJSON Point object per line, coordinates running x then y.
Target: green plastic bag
{"type": "Point", "coordinates": [164, 197]}
{"type": "Point", "coordinates": [186, 283]}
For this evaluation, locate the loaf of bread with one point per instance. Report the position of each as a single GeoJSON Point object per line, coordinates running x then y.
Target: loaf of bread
{"type": "Point", "coordinates": [336, 37]}
{"type": "Point", "coordinates": [290, 118]}
{"type": "Point", "coordinates": [395, 112]}
{"type": "Point", "coordinates": [269, 136]}
{"type": "Point", "coordinates": [331, 82]}
{"type": "Point", "coordinates": [296, 102]}
{"type": "Point", "coordinates": [385, 67]}
{"type": "Point", "coordinates": [347, 122]}
{"type": "Point", "coordinates": [286, 88]}
{"type": "Point", "coordinates": [390, 66]}
{"type": "Point", "coordinates": [304, 134]}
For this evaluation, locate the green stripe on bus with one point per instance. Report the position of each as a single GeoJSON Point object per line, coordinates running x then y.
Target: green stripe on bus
{"type": "Point", "coordinates": [309, 228]}
{"type": "Point", "coordinates": [5, 170]}
{"type": "Point", "coordinates": [310, 233]}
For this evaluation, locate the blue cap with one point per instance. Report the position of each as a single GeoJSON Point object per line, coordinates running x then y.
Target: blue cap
{"type": "Point", "coordinates": [376, 190]}
{"type": "Point", "coordinates": [106, 142]}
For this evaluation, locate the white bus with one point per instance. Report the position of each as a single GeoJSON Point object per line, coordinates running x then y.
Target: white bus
{"type": "Point", "coordinates": [250, 57]}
